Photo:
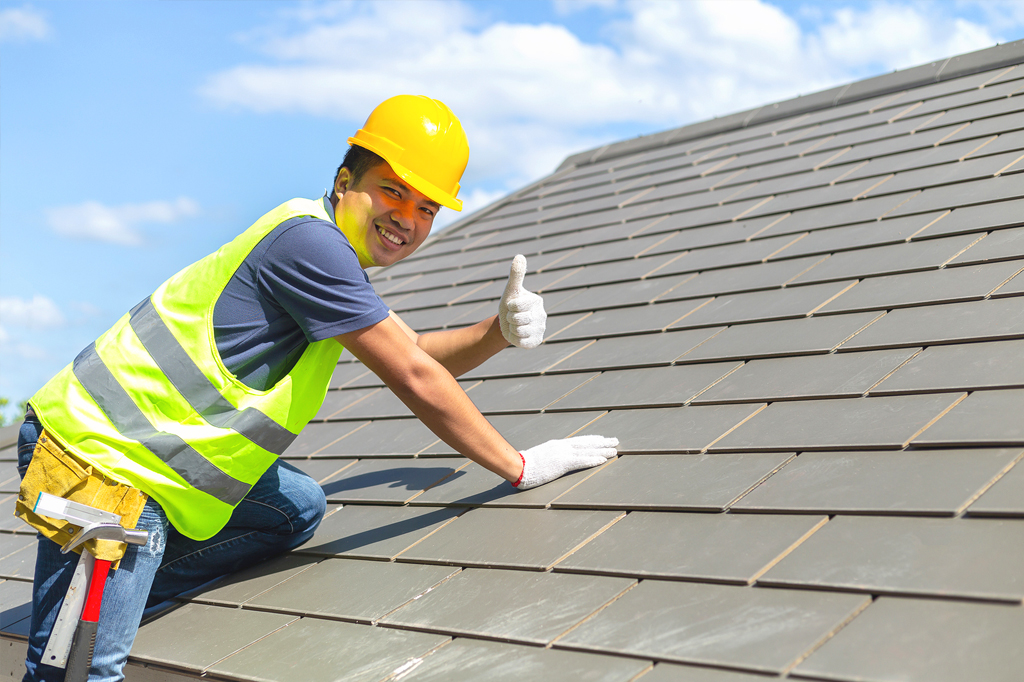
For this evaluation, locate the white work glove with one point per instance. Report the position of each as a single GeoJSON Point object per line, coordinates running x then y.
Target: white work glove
{"type": "Point", "coordinates": [548, 461]}
{"type": "Point", "coordinates": [521, 312]}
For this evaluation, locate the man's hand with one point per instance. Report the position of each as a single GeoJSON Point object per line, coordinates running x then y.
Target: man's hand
{"type": "Point", "coordinates": [521, 312]}
{"type": "Point", "coordinates": [548, 461]}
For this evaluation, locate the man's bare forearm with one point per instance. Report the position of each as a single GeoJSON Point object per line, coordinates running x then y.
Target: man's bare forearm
{"type": "Point", "coordinates": [463, 349]}
{"type": "Point", "coordinates": [431, 392]}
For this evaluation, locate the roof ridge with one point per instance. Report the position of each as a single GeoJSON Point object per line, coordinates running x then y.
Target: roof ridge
{"type": "Point", "coordinates": [940, 70]}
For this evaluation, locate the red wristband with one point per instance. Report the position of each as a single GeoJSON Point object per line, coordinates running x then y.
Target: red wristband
{"type": "Point", "coordinates": [520, 479]}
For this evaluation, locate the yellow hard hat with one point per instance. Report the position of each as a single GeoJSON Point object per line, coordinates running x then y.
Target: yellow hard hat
{"type": "Point", "coordinates": [422, 141]}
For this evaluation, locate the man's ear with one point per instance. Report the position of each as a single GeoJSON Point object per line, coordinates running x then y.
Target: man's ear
{"type": "Point", "coordinates": [342, 181]}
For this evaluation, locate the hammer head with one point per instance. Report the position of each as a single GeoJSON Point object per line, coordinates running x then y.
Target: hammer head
{"type": "Point", "coordinates": [106, 531]}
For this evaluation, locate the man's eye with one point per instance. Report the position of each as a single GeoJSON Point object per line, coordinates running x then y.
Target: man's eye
{"type": "Point", "coordinates": [427, 211]}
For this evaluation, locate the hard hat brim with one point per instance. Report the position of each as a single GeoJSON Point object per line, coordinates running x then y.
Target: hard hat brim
{"type": "Point", "coordinates": [425, 187]}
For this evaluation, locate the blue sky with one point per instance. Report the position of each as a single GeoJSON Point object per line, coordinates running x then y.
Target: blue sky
{"type": "Point", "coordinates": [136, 137]}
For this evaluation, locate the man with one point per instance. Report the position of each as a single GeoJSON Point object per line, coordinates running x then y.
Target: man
{"type": "Point", "coordinates": [175, 417]}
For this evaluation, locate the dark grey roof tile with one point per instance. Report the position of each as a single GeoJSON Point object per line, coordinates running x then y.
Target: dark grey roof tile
{"type": "Point", "coordinates": [623, 249]}
{"type": "Point", "coordinates": [560, 324]}
{"type": "Point", "coordinates": [762, 306]}
{"type": "Point", "coordinates": [884, 260]}
{"type": "Point", "coordinates": [636, 320]}
{"type": "Point", "coordinates": [336, 401]}
{"type": "Point", "coordinates": [527, 430]}
{"type": "Point", "coordinates": [1001, 245]}
{"type": "Point", "coordinates": [11, 544]}
{"type": "Point", "coordinates": [602, 296]}
{"type": "Point", "coordinates": [622, 271]}
{"type": "Point", "coordinates": [997, 364]}
{"type": "Point", "coordinates": [439, 317]}
{"type": "Point", "coordinates": [687, 216]}
{"type": "Point", "coordinates": [871, 208]}
{"type": "Point", "coordinates": [845, 424]}
{"type": "Point", "coordinates": [690, 622]}
{"type": "Point", "coordinates": [238, 588]}
{"type": "Point", "coordinates": [648, 387]}
{"type": "Point", "coordinates": [965, 194]}
{"type": "Point", "coordinates": [347, 372]}
{"type": "Point", "coordinates": [8, 521]}
{"type": "Point", "coordinates": [388, 481]}
{"type": "Point", "coordinates": [947, 323]}
{"type": "Point", "coordinates": [773, 339]}
{"type": "Point", "coordinates": [15, 617]}
{"type": "Point", "coordinates": [812, 376]}
{"type": "Point", "coordinates": [916, 639]}
{"type": "Point", "coordinates": [724, 548]}
{"type": "Point", "coordinates": [557, 603]}
{"type": "Point", "coordinates": [381, 403]}
{"type": "Point", "coordinates": [729, 255]}
{"type": "Point", "coordinates": [511, 538]}
{"type": "Point", "coordinates": [467, 660]}
{"type": "Point", "coordinates": [375, 532]}
{"type": "Point", "coordinates": [322, 648]}
{"type": "Point", "coordinates": [524, 394]}
{"type": "Point", "coordinates": [517, 361]}
{"type": "Point", "coordinates": [21, 564]}
{"type": "Point", "coordinates": [914, 159]}
{"type": "Point", "coordinates": [672, 482]}
{"type": "Point", "coordinates": [931, 482]}
{"type": "Point", "coordinates": [984, 417]}
{"type": "Point", "coordinates": [673, 672]}
{"type": "Point", "coordinates": [861, 235]}
{"type": "Point", "coordinates": [946, 285]}
{"type": "Point", "coordinates": [320, 469]}
{"type": "Point", "coordinates": [915, 556]}
{"type": "Point", "coordinates": [709, 235]}
{"type": "Point", "coordinates": [436, 298]}
{"type": "Point", "coordinates": [361, 591]}
{"type": "Point", "coordinates": [181, 638]}
{"type": "Point", "coordinates": [676, 429]}
{"type": "Point", "coordinates": [741, 279]}
{"type": "Point", "coordinates": [1006, 497]}
{"type": "Point", "coordinates": [1015, 287]}
{"type": "Point", "coordinates": [475, 486]}
{"type": "Point", "coordinates": [635, 351]}
{"type": "Point", "coordinates": [956, 172]}
{"type": "Point", "coordinates": [384, 438]}
{"type": "Point", "coordinates": [316, 437]}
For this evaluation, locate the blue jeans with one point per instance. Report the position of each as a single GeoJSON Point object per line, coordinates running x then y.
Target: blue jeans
{"type": "Point", "coordinates": [280, 513]}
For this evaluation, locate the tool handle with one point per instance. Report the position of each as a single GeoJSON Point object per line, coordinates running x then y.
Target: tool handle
{"type": "Point", "coordinates": [91, 612]}
{"type": "Point", "coordinates": [80, 658]}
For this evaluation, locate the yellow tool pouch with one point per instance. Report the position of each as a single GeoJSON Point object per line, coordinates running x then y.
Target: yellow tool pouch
{"type": "Point", "coordinates": [56, 471]}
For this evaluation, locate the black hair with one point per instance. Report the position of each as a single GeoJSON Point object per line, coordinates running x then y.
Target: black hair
{"type": "Point", "coordinates": [358, 160]}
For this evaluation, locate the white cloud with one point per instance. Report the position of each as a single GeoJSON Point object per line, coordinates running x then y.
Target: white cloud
{"type": "Point", "coordinates": [36, 313]}
{"type": "Point", "coordinates": [94, 221]}
{"type": "Point", "coordinates": [529, 94]}
{"type": "Point", "coordinates": [22, 24]}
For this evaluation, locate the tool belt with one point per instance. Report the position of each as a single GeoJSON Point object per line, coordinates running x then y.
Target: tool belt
{"type": "Point", "coordinates": [56, 471]}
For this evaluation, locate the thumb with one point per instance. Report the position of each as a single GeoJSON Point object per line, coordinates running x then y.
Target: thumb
{"type": "Point", "coordinates": [515, 277]}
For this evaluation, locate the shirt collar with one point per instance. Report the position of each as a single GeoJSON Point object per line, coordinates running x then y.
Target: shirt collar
{"type": "Point", "coordinates": [328, 207]}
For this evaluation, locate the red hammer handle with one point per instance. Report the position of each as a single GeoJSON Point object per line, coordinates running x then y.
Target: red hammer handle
{"type": "Point", "coordinates": [80, 658]}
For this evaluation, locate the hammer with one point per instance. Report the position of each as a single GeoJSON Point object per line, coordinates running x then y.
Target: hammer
{"type": "Point", "coordinates": [80, 658]}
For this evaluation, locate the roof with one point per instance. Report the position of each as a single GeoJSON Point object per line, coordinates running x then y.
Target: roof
{"type": "Point", "coordinates": [804, 324]}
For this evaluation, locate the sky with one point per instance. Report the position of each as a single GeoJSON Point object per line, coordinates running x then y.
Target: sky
{"type": "Point", "coordinates": [136, 137]}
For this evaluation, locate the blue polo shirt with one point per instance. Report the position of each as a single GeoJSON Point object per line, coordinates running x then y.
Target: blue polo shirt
{"type": "Point", "coordinates": [302, 283]}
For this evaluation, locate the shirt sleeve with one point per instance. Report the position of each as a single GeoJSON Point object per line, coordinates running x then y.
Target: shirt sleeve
{"type": "Point", "coordinates": [312, 273]}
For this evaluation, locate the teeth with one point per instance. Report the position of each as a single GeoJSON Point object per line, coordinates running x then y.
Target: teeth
{"type": "Point", "coordinates": [390, 237]}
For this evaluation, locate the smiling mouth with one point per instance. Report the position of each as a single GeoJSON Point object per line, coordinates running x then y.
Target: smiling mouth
{"type": "Point", "coordinates": [390, 236]}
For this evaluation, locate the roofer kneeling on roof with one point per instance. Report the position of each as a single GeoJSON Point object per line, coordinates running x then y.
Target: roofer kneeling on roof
{"type": "Point", "coordinates": [192, 395]}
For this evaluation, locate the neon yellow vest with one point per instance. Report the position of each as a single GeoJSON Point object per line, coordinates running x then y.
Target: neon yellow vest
{"type": "Point", "coordinates": [150, 403]}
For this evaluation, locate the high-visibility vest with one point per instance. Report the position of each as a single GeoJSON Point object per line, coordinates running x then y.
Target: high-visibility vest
{"type": "Point", "coordinates": [150, 403]}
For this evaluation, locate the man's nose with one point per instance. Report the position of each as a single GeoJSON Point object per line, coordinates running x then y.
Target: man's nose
{"type": "Point", "coordinates": [403, 216]}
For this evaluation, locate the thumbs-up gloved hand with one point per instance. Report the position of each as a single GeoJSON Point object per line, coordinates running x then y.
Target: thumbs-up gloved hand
{"type": "Point", "coordinates": [521, 312]}
{"type": "Point", "coordinates": [548, 461]}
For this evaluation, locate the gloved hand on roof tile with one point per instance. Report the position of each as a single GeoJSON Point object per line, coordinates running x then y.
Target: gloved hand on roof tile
{"type": "Point", "coordinates": [548, 461]}
{"type": "Point", "coordinates": [521, 313]}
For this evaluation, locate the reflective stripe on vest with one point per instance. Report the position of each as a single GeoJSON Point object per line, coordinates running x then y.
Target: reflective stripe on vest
{"type": "Point", "coordinates": [127, 418]}
{"type": "Point", "coordinates": [190, 381]}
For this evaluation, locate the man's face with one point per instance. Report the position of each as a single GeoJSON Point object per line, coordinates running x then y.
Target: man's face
{"type": "Point", "coordinates": [382, 216]}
